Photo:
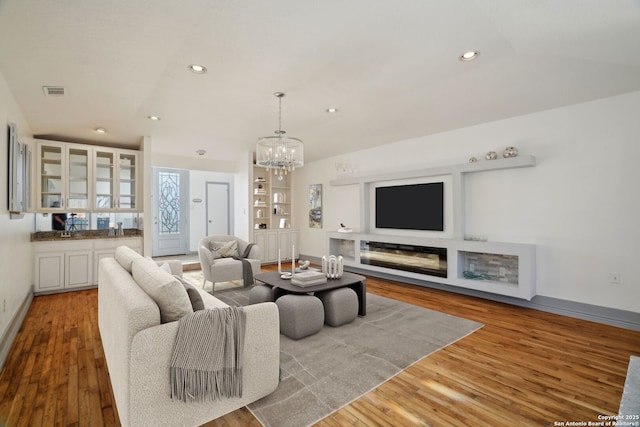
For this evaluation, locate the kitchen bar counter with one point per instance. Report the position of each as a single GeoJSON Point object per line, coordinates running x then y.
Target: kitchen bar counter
{"type": "Point", "coordinates": [50, 236]}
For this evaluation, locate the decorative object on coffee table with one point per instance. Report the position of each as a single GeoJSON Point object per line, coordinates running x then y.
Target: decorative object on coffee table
{"type": "Point", "coordinates": [309, 278]}
{"type": "Point", "coordinates": [333, 266]}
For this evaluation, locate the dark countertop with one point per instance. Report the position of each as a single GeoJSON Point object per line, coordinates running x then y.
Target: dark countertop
{"type": "Point", "coordinates": [49, 236]}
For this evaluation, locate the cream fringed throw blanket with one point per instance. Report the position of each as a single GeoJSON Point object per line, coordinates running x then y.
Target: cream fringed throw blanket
{"type": "Point", "coordinates": [206, 363]}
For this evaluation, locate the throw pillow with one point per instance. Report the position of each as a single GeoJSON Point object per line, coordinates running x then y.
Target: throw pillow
{"type": "Point", "coordinates": [194, 295]}
{"type": "Point", "coordinates": [224, 249]}
{"type": "Point", "coordinates": [170, 295]}
{"type": "Point", "coordinates": [125, 257]}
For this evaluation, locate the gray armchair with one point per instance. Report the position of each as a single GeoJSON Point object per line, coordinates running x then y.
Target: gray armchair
{"type": "Point", "coordinates": [225, 269]}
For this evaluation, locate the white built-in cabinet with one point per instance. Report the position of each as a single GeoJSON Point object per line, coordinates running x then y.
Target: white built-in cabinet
{"type": "Point", "coordinates": [85, 178]}
{"type": "Point", "coordinates": [507, 268]}
{"type": "Point", "coordinates": [274, 242]}
{"type": "Point", "coordinates": [272, 213]}
{"type": "Point", "coordinates": [116, 179]}
{"type": "Point", "coordinates": [64, 177]}
{"type": "Point", "coordinates": [67, 265]}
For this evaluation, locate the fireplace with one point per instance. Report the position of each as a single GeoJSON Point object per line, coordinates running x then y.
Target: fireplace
{"type": "Point", "coordinates": [417, 259]}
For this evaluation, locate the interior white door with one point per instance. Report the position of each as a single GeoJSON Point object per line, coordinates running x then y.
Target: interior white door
{"type": "Point", "coordinates": [218, 205]}
{"type": "Point", "coordinates": [170, 212]}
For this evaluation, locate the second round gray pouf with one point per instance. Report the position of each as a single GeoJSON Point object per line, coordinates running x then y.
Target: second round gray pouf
{"type": "Point", "coordinates": [260, 293]}
{"type": "Point", "coordinates": [300, 315]}
{"type": "Point", "coordinates": [340, 306]}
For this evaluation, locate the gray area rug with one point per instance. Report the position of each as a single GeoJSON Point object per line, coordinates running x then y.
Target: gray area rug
{"type": "Point", "coordinates": [324, 372]}
{"type": "Point", "coordinates": [630, 403]}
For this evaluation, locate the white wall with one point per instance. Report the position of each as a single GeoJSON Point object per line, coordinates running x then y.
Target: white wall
{"type": "Point", "coordinates": [579, 205]}
{"type": "Point", "coordinates": [198, 211]}
{"type": "Point", "coordinates": [204, 169]}
{"type": "Point", "coordinates": [15, 246]}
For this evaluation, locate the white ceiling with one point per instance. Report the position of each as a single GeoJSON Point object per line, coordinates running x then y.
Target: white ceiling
{"type": "Point", "coordinates": [390, 67]}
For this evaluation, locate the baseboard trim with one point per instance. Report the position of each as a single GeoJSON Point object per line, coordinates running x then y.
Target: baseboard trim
{"type": "Point", "coordinates": [605, 315]}
{"type": "Point", "coordinates": [6, 341]}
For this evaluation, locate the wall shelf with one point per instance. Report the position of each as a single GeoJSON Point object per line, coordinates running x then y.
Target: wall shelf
{"type": "Point", "coordinates": [521, 161]}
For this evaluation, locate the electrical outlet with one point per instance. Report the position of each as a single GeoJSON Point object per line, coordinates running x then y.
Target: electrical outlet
{"type": "Point", "coordinates": [614, 278]}
{"type": "Point", "coordinates": [472, 268]}
{"type": "Point", "coordinates": [503, 271]}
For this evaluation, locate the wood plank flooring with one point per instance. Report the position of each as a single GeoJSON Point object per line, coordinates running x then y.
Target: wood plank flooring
{"type": "Point", "coordinates": [523, 368]}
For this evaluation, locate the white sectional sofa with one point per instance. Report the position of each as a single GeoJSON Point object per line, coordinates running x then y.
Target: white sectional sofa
{"type": "Point", "coordinates": [138, 345]}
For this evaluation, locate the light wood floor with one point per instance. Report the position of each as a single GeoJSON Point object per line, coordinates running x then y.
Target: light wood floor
{"type": "Point", "coordinates": [523, 368]}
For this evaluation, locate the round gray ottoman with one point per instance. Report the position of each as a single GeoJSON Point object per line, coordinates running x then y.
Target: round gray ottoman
{"type": "Point", "coordinates": [300, 315]}
{"type": "Point", "coordinates": [260, 293]}
{"type": "Point", "coordinates": [340, 306]}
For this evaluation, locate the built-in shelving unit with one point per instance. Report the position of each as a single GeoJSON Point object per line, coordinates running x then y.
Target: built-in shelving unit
{"type": "Point", "coordinates": [494, 267]}
{"type": "Point", "coordinates": [271, 207]}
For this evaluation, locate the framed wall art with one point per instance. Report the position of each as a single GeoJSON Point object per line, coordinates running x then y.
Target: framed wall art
{"type": "Point", "coordinates": [315, 206]}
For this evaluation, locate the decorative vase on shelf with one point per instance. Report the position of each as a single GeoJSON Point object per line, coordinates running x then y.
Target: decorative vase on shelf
{"type": "Point", "coordinates": [120, 231]}
{"type": "Point", "coordinates": [333, 266]}
{"type": "Point", "coordinates": [510, 152]}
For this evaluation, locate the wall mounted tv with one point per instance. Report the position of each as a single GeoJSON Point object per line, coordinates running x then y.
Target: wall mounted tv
{"type": "Point", "coordinates": [411, 207]}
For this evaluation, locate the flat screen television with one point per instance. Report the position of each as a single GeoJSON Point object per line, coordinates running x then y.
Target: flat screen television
{"type": "Point", "coordinates": [411, 207]}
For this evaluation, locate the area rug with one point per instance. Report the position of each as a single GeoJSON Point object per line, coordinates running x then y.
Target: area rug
{"type": "Point", "coordinates": [630, 403]}
{"type": "Point", "coordinates": [326, 371]}
{"type": "Point", "coordinates": [196, 277]}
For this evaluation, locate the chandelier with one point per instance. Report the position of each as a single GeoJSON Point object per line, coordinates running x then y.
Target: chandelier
{"type": "Point", "coordinates": [281, 153]}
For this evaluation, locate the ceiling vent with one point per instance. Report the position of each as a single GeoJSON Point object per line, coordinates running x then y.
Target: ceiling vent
{"type": "Point", "coordinates": [54, 90]}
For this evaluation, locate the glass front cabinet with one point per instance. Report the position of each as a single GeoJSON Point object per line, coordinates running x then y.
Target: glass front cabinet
{"type": "Point", "coordinates": [116, 182]}
{"type": "Point", "coordinates": [64, 177]}
{"type": "Point", "coordinates": [84, 178]}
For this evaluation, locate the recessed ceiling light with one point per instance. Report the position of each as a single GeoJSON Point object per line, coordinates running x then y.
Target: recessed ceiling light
{"type": "Point", "coordinates": [154, 118]}
{"type": "Point", "coordinates": [201, 152]}
{"type": "Point", "coordinates": [100, 130]}
{"type": "Point", "coordinates": [332, 110]}
{"type": "Point", "coordinates": [197, 69]}
{"type": "Point", "coordinates": [469, 56]}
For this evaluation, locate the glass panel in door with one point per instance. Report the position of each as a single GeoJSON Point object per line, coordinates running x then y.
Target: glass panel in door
{"type": "Point", "coordinates": [51, 177]}
{"type": "Point", "coordinates": [104, 180]}
{"type": "Point", "coordinates": [78, 178]}
{"type": "Point", "coordinates": [169, 203]}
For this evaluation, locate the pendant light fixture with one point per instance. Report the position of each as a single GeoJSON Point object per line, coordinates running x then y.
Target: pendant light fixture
{"type": "Point", "coordinates": [280, 152]}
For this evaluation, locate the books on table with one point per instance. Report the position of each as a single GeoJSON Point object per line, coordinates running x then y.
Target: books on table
{"type": "Point", "coordinates": [309, 278]}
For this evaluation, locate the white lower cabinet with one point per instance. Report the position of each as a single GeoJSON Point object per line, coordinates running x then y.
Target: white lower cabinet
{"type": "Point", "coordinates": [65, 265]}
{"type": "Point", "coordinates": [276, 242]}
{"type": "Point", "coordinates": [77, 269]}
{"type": "Point", "coordinates": [49, 274]}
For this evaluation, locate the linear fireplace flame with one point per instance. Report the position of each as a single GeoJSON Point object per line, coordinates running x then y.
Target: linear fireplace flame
{"type": "Point", "coordinates": [417, 259]}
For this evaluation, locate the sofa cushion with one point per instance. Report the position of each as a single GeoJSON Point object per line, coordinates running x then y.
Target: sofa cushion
{"type": "Point", "coordinates": [193, 293]}
{"type": "Point", "coordinates": [125, 257]}
{"type": "Point", "coordinates": [224, 249]}
{"type": "Point", "coordinates": [170, 295]}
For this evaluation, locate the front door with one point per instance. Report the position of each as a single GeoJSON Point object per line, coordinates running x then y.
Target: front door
{"type": "Point", "coordinates": [218, 218]}
{"type": "Point", "coordinates": [170, 212]}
